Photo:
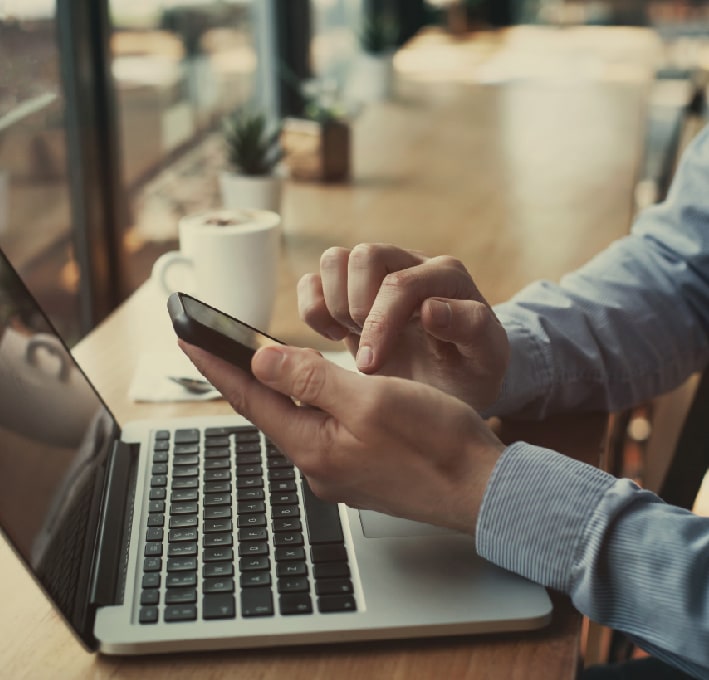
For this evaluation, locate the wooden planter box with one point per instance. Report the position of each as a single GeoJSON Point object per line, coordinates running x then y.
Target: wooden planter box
{"type": "Point", "coordinates": [318, 152]}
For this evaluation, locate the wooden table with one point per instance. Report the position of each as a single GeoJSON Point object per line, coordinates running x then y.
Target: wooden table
{"type": "Point", "coordinates": [520, 181]}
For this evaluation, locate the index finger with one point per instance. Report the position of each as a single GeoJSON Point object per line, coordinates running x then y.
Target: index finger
{"type": "Point", "coordinates": [400, 296]}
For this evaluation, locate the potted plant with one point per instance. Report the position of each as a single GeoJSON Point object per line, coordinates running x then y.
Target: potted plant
{"type": "Point", "coordinates": [253, 153]}
{"type": "Point", "coordinates": [317, 146]}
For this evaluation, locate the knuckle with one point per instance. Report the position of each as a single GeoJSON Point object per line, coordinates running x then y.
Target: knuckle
{"type": "Point", "coordinates": [333, 257]}
{"type": "Point", "coordinates": [363, 255]}
{"type": "Point", "coordinates": [449, 262]}
{"type": "Point", "coordinates": [308, 382]}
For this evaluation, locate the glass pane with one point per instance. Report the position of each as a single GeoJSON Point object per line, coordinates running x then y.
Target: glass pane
{"type": "Point", "coordinates": [35, 216]}
{"type": "Point", "coordinates": [178, 68]}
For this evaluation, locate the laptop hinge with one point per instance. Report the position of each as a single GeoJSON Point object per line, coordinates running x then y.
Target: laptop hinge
{"type": "Point", "coordinates": [115, 523]}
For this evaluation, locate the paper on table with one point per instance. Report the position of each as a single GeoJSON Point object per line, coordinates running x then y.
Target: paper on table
{"type": "Point", "coordinates": [151, 380]}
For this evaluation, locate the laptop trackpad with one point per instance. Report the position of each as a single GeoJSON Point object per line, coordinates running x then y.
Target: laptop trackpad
{"type": "Point", "coordinates": [379, 525]}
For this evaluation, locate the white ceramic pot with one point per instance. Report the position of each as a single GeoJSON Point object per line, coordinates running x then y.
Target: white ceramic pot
{"type": "Point", "coordinates": [374, 76]}
{"type": "Point", "coordinates": [253, 193]}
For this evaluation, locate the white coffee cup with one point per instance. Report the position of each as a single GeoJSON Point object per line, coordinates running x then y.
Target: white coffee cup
{"type": "Point", "coordinates": [228, 259]}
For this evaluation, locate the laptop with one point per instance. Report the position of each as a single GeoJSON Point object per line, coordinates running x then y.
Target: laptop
{"type": "Point", "coordinates": [199, 534]}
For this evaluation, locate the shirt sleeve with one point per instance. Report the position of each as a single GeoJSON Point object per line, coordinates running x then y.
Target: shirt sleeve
{"type": "Point", "coordinates": [630, 324]}
{"type": "Point", "coordinates": [626, 559]}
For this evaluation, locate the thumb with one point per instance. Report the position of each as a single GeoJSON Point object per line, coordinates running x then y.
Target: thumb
{"type": "Point", "coordinates": [304, 375]}
{"type": "Point", "coordinates": [466, 323]}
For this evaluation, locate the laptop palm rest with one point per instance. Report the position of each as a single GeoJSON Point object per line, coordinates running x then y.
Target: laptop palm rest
{"type": "Point", "coordinates": [379, 525]}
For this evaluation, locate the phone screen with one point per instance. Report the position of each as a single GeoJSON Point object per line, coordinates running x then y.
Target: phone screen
{"type": "Point", "coordinates": [224, 325]}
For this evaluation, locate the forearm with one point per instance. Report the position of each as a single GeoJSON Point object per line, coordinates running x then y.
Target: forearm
{"type": "Point", "coordinates": [626, 559]}
{"type": "Point", "coordinates": [630, 324]}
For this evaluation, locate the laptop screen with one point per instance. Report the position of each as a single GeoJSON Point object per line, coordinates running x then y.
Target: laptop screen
{"type": "Point", "coordinates": [55, 433]}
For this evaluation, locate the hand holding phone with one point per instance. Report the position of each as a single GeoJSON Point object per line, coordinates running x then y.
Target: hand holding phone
{"type": "Point", "coordinates": [205, 326]}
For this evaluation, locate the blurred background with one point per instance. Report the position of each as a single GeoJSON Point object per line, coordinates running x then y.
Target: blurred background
{"type": "Point", "coordinates": [111, 110]}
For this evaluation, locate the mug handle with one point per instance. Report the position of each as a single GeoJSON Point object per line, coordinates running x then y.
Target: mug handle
{"type": "Point", "coordinates": [163, 264]}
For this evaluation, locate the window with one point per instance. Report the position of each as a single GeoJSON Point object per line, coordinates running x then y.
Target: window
{"type": "Point", "coordinates": [35, 207]}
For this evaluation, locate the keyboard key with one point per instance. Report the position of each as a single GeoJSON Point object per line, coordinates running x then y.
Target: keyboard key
{"type": "Point", "coordinates": [321, 518]}
{"type": "Point", "coordinates": [249, 483]}
{"type": "Point", "coordinates": [180, 612]}
{"type": "Point", "coordinates": [182, 564]}
{"type": "Point", "coordinates": [290, 554]}
{"type": "Point", "coordinates": [217, 540]}
{"type": "Point", "coordinates": [191, 436]}
{"type": "Point", "coordinates": [189, 460]}
{"type": "Point", "coordinates": [298, 584]}
{"type": "Point", "coordinates": [244, 521]}
{"type": "Point", "coordinates": [252, 579]}
{"type": "Point", "coordinates": [216, 441]}
{"type": "Point", "coordinates": [182, 535]}
{"type": "Point", "coordinates": [157, 494]}
{"type": "Point", "coordinates": [151, 580]}
{"type": "Point", "coordinates": [218, 606]}
{"type": "Point", "coordinates": [253, 534]}
{"type": "Point", "coordinates": [154, 534]}
{"type": "Point", "coordinates": [156, 506]}
{"type": "Point", "coordinates": [186, 471]}
{"type": "Point", "coordinates": [161, 435]}
{"type": "Point", "coordinates": [279, 511]}
{"type": "Point", "coordinates": [183, 521]}
{"type": "Point", "coordinates": [250, 507]}
{"type": "Point", "coordinates": [256, 602]}
{"type": "Point", "coordinates": [184, 495]}
{"type": "Point", "coordinates": [217, 487]}
{"type": "Point", "coordinates": [180, 596]}
{"type": "Point", "coordinates": [286, 524]}
{"type": "Point", "coordinates": [336, 603]}
{"type": "Point", "coordinates": [250, 549]}
{"type": "Point", "coordinates": [210, 454]}
{"type": "Point", "coordinates": [182, 549]}
{"type": "Point", "coordinates": [185, 483]}
{"type": "Point", "coordinates": [161, 457]}
{"type": "Point", "coordinates": [186, 450]}
{"type": "Point", "coordinates": [159, 469]}
{"type": "Point", "coordinates": [148, 615]}
{"type": "Point", "coordinates": [181, 579]}
{"type": "Point", "coordinates": [158, 481]}
{"type": "Point", "coordinates": [288, 539]}
{"type": "Point", "coordinates": [152, 564]}
{"type": "Point", "coordinates": [252, 494]}
{"type": "Point", "coordinates": [295, 603]}
{"type": "Point", "coordinates": [217, 475]}
{"type": "Point", "coordinates": [218, 585]}
{"type": "Point", "coordinates": [219, 512]}
{"type": "Point", "coordinates": [281, 485]}
{"type": "Point", "coordinates": [212, 526]}
{"type": "Point", "coordinates": [217, 464]}
{"type": "Point", "coordinates": [291, 569]}
{"type": "Point", "coordinates": [153, 550]}
{"type": "Point", "coordinates": [218, 555]}
{"type": "Point", "coordinates": [331, 570]}
{"type": "Point", "coordinates": [254, 563]}
{"type": "Point", "coordinates": [156, 519]}
{"type": "Point", "coordinates": [148, 597]}
{"type": "Point", "coordinates": [218, 570]}
{"type": "Point", "coordinates": [328, 553]}
{"type": "Point", "coordinates": [212, 499]}
{"type": "Point", "coordinates": [183, 508]}
{"type": "Point", "coordinates": [333, 586]}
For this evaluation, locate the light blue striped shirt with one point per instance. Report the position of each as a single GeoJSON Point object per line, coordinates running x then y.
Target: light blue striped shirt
{"type": "Point", "coordinates": [631, 324]}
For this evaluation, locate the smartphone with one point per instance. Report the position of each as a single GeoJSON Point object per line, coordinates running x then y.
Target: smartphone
{"type": "Point", "coordinates": [205, 326]}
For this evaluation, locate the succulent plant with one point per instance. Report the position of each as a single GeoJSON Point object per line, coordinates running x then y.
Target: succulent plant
{"type": "Point", "coordinates": [252, 149]}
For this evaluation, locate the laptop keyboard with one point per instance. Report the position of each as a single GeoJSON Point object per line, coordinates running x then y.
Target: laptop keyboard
{"type": "Point", "coordinates": [233, 531]}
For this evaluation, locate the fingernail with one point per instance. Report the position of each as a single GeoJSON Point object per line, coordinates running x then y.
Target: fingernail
{"type": "Point", "coordinates": [269, 362]}
{"type": "Point", "coordinates": [441, 313]}
{"type": "Point", "coordinates": [364, 357]}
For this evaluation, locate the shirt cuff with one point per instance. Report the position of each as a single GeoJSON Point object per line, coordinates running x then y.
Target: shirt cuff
{"type": "Point", "coordinates": [528, 377]}
{"type": "Point", "coordinates": [534, 512]}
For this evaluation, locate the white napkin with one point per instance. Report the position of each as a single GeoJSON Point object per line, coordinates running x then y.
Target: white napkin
{"type": "Point", "coordinates": [151, 382]}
